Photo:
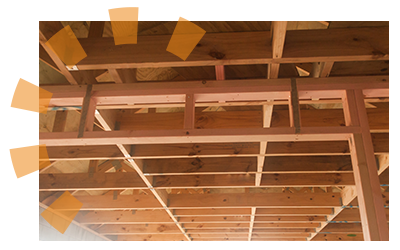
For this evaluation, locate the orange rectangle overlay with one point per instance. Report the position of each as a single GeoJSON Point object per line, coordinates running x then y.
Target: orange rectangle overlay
{"type": "Point", "coordinates": [30, 97]}
{"type": "Point", "coordinates": [62, 211]}
{"type": "Point", "coordinates": [27, 160]}
{"type": "Point", "coordinates": [67, 47]}
{"type": "Point", "coordinates": [124, 24]}
{"type": "Point", "coordinates": [185, 38]}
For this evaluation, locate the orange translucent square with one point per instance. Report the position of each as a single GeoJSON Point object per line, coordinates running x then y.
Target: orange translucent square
{"type": "Point", "coordinates": [67, 47]}
{"type": "Point", "coordinates": [124, 24]}
{"type": "Point", "coordinates": [30, 97]}
{"type": "Point", "coordinates": [62, 211]}
{"type": "Point", "coordinates": [27, 160]}
{"type": "Point", "coordinates": [185, 38]}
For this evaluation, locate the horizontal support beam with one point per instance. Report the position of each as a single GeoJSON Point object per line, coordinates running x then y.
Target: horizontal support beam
{"type": "Point", "coordinates": [247, 180]}
{"type": "Point", "coordinates": [196, 201]}
{"type": "Point", "coordinates": [121, 180]}
{"type": "Point", "coordinates": [235, 48]}
{"type": "Point", "coordinates": [216, 91]}
{"type": "Point", "coordinates": [121, 217]}
{"type": "Point", "coordinates": [254, 200]}
{"type": "Point", "coordinates": [90, 181]}
{"type": "Point", "coordinates": [378, 119]}
{"type": "Point", "coordinates": [328, 153]}
{"type": "Point", "coordinates": [276, 164]}
{"type": "Point", "coordinates": [197, 136]}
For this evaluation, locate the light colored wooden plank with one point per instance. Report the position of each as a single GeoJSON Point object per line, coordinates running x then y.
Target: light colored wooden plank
{"type": "Point", "coordinates": [254, 200]}
{"type": "Point", "coordinates": [197, 136]}
{"type": "Point", "coordinates": [248, 90]}
{"type": "Point", "coordinates": [128, 229]}
{"type": "Point", "coordinates": [115, 75]}
{"type": "Point", "coordinates": [278, 33]}
{"type": "Point", "coordinates": [152, 237]}
{"type": "Point", "coordinates": [247, 180]}
{"type": "Point", "coordinates": [87, 181]}
{"type": "Point", "coordinates": [124, 217]}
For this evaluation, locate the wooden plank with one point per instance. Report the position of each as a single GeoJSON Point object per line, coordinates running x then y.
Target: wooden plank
{"type": "Point", "coordinates": [254, 200]}
{"type": "Point", "coordinates": [197, 136]}
{"type": "Point", "coordinates": [196, 201]}
{"type": "Point", "coordinates": [139, 229]}
{"type": "Point", "coordinates": [280, 235]}
{"type": "Point", "coordinates": [276, 164]}
{"type": "Point", "coordinates": [278, 34]}
{"type": "Point", "coordinates": [200, 165]}
{"type": "Point", "coordinates": [326, 69]}
{"type": "Point", "coordinates": [60, 120]}
{"type": "Point", "coordinates": [287, 225]}
{"type": "Point", "coordinates": [214, 219]}
{"type": "Point", "coordinates": [353, 215]}
{"type": "Point", "coordinates": [338, 237]}
{"type": "Point", "coordinates": [211, 212]}
{"type": "Point", "coordinates": [152, 237]}
{"type": "Point", "coordinates": [319, 153]}
{"type": "Point", "coordinates": [284, 219]}
{"type": "Point", "coordinates": [83, 152]}
{"type": "Point", "coordinates": [342, 227]}
{"type": "Point", "coordinates": [247, 180]}
{"type": "Point", "coordinates": [293, 211]}
{"type": "Point", "coordinates": [262, 231]}
{"type": "Point", "coordinates": [115, 76]}
{"type": "Point", "coordinates": [123, 217]}
{"type": "Point", "coordinates": [329, 163]}
{"type": "Point", "coordinates": [215, 225]}
{"type": "Point", "coordinates": [212, 91]}
{"type": "Point", "coordinates": [242, 48]}
{"type": "Point", "coordinates": [107, 202]}
{"type": "Point", "coordinates": [89, 181]}
{"type": "Point", "coordinates": [378, 119]}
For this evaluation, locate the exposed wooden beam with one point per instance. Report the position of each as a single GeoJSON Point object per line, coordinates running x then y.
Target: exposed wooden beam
{"type": "Point", "coordinates": [370, 201]}
{"type": "Point", "coordinates": [243, 48]}
{"type": "Point", "coordinates": [115, 181]}
{"type": "Point", "coordinates": [278, 34]}
{"type": "Point", "coordinates": [197, 136]}
{"type": "Point", "coordinates": [254, 200]}
{"type": "Point", "coordinates": [256, 90]}
{"type": "Point", "coordinates": [88, 112]}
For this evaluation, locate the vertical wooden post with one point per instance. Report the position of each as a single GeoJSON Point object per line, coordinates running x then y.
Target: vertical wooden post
{"type": "Point", "coordinates": [372, 213]}
{"type": "Point", "coordinates": [294, 107]}
{"type": "Point", "coordinates": [88, 112]}
{"type": "Point", "coordinates": [189, 112]}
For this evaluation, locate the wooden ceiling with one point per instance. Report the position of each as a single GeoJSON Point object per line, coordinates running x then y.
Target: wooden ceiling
{"type": "Point", "coordinates": [285, 190]}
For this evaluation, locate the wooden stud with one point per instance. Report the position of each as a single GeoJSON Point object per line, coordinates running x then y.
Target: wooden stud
{"type": "Point", "coordinates": [88, 112]}
{"type": "Point", "coordinates": [189, 112]}
{"type": "Point", "coordinates": [370, 201]}
{"type": "Point", "coordinates": [294, 107]}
